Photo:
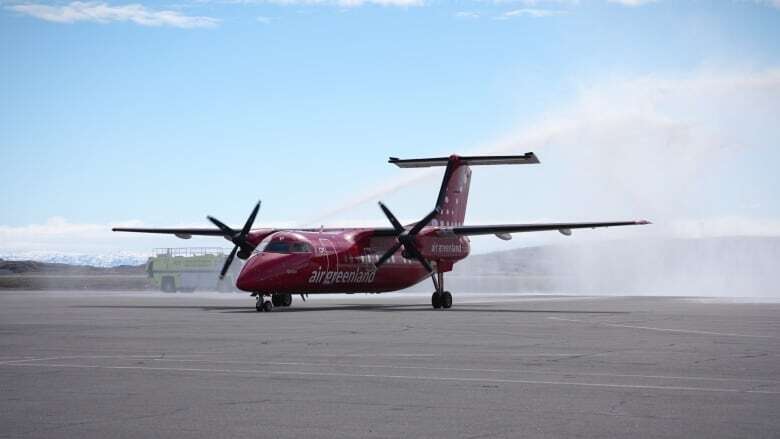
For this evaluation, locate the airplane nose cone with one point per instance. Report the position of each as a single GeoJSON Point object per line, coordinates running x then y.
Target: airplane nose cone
{"type": "Point", "coordinates": [248, 275]}
{"type": "Point", "coordinates": [262, 271]}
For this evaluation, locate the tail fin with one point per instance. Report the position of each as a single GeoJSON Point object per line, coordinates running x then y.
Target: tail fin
{"type": "Point", "coordinates": [454, 191]}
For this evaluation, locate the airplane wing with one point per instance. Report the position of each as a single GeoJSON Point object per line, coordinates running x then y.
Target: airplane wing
{"type": "Point", "coordinates": [521, 228]}
{"type": "Point", "coordinates": [188, 233]}
{"type": "Point", "coordinates": [181, 233]}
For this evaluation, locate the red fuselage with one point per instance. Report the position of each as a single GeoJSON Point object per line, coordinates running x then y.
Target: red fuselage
{"type": "Point", "coordinates": [341, 261]}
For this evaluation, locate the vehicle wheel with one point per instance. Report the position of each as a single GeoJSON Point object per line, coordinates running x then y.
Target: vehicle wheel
{"type": "Point", "coordinates": [276, 299]}
{"type": "Point", "coordinates": [267, 306]}
{"type": "Point", "coordinates": [286, 299]}
{"type": "Point", "coordinates": [446, 300]}
{"type": "Point", "coordinates": [436, 300]}
{"type": "Point", "coordinates": [259, 306]}
{"type": "Point", "coordinates": [167, 285]}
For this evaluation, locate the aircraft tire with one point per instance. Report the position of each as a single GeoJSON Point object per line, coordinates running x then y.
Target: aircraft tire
{"type": "Point", "coordinates": [436, 300]}
{"type": "Point", "coordinates": [446, 300]}
{"type": "Point", "coordinates": [259, 306]}
{"type": "Point", "coordinates": [276, 299]}
{"type": "Point", "coordinates": [286, 299]}
{"type": "Point", "coordinates": [268, 306]}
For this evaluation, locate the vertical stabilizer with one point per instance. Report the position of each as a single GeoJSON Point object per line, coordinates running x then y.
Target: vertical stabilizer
{"type": "Point", "coordinates": [453, 194]}
{"type": "Point", "coordinates": [454, 191]}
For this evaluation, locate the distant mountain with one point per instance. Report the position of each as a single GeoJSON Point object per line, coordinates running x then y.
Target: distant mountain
{"type": "Point", "coordinates": [49, 268]}
{"type": "Point", "coordinates": [92, 260]}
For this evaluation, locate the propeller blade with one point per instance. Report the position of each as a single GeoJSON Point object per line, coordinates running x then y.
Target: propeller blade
{"type": "Point", "coordinates": [396, 225]}
{"type": "Point", "coordinates": [423, 222]}
{"type": "Point", "coordinates": [388, 254]}
{"type": "Point", "coordinates": [228, 261]}
{"type": "Point", "coordinates": [222, 226]}
{"type": "Point", "coordinates": [417, 255]}
{"type": "Point", "coordinates": [250, 220]}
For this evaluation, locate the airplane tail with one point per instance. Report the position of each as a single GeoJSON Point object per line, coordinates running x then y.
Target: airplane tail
{"type": "Point", "coordinates": [454, 191]}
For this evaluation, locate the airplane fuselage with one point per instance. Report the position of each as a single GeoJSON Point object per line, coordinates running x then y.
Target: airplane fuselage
{"type": "Point", "coordinates": [341, 261]}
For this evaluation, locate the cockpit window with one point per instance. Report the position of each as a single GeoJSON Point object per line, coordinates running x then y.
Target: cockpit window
{"type": "Point", "coordinates": [300, 247]}
{"type": "Point", "coordinates": [279, 246]}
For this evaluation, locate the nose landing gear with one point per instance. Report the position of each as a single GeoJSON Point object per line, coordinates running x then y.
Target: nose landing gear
{"type": "Point", "coordinates": [262, 304]}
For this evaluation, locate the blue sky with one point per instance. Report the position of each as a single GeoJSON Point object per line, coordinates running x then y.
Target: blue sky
{"type": "Point", "coordinates": [162, 112]}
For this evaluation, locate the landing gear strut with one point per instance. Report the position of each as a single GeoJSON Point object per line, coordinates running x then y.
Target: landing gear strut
{"type": "Point", "coordinates": [262, 304]}
{"type": "Point", "coordinates": [440, 298]}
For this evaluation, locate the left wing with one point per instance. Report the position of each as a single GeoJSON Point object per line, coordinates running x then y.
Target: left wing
{"type": "Point", "coordinates": [181, 233]}
{"type": "Point", "coordinates": [521, 228]}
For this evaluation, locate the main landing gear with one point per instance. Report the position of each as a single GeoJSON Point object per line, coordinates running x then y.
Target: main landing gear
{"type": "Point", "coordinates": [281, 299]}
{"type": "Point", "coordinates": [440, 298]}
{"type": "Point", "coordinates": [263, 305]}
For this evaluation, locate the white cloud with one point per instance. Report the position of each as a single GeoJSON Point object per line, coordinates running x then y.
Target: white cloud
{"type": "Point", "coordinates": [530, 12]}
{"type": "Point", "coordinates": [468, 15]}
{"type": "Point", "coordinates": [104, 13]}
{"type": "Point", "coordinates": [632, 3]}
{"type": "Point", "coordinates": [60, 234]}
{"type": "Point", "coordinates": [345, 3]}
{"type": "Point", "coordinates": [352, 3]}
{"type": "Point", "coordinates": [537, 2]}
{"type": "Point", "coordinates": [264, 20]}
{"type": "Point", "coordinates": [773, 3]}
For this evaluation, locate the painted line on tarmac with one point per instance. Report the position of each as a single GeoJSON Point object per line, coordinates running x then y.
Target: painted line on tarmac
{"type": "Point", "coordinates": [188, 359]}
{"type": "Point", "coordinates": [459, 369]}
{"type": "Point", "coordinates": [86, 357]}
{"type": "Point", "coordinates": [397, 377]}
{"type": "Point", "coordinates": [651, 328]}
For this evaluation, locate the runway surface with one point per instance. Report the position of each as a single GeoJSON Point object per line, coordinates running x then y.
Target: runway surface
{"type": "Point", "coordinates": [96, 365]}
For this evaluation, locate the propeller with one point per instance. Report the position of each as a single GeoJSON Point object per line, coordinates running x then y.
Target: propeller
{"type": "Point", "coordinates": [241, 246]}
{"type": "Point", "coordinates": [406, 238]}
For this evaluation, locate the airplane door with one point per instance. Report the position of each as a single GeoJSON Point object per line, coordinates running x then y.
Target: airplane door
{"type": "Point", "coordinates": [327, 253]}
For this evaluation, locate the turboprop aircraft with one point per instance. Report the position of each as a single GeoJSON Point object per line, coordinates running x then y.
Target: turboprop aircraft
{"type": "Point", "coordinates": [283, 262]}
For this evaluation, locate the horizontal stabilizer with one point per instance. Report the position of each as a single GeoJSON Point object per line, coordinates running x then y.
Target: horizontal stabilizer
{"type": "Point", "coordinates": [525, 159]}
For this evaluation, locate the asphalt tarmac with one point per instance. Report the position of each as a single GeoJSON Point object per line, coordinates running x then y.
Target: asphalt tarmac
{"type": "Point", "coordinates": [98, 365]}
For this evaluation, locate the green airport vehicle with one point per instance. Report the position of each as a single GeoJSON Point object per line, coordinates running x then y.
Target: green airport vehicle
{"type": "Point", "coordinates": [187, 269]}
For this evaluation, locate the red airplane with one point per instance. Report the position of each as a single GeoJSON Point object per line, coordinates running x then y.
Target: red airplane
{"type": "Point", "coordinates": [282, 262]}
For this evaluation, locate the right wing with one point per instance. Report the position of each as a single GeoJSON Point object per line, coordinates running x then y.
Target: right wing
{"type": "Point", "coordinates": [520, 228]}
